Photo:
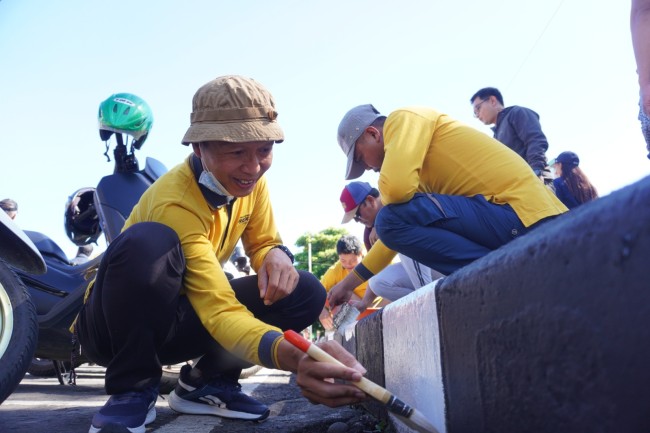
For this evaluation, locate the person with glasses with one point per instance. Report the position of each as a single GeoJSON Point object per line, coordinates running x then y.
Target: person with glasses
{"type": "Point", "coordinates": [516, 127]}
{"type": "Point", "coordinates": [362, 202]}
{"type": "Point", "coordinates": [450, 193]}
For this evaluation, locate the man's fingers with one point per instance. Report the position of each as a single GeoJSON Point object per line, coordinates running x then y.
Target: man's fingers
{"type": "Point", "coordinates": [262, 281]}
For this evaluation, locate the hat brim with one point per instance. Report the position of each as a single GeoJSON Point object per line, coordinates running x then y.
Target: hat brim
{"type": "Point", "coordinates": [354, 170]}
{"type": "Point", "coordinates": [234, 132]}
{"type": "Point", "coordinates": [348, 216]}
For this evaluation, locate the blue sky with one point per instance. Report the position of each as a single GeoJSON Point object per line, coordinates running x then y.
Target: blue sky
{"type": "Point", "coordinates": [569, 60]}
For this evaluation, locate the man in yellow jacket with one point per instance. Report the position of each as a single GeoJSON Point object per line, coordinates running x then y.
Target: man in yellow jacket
{"type": "Point", "coordinates": [451, 194]}
{"type": "Point", "coordinates": [161, 295]}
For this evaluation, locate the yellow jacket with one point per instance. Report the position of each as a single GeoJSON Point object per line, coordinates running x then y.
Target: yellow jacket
{"type": "Point", "coordinates": [335, 274]}
{"type": "Point", "coordinates": [208, 237]}
{"type": "Point", "coordinates": [426, 151]}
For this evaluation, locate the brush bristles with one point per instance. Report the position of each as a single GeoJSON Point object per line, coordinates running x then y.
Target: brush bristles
{"type": "Point", "coordinates": [418, 422]}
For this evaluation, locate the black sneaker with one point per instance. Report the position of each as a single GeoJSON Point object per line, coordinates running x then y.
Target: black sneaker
{"type": "Point", "coordinates": [131, 410]}
{"type": "Point", "coordinates": [221, 396]}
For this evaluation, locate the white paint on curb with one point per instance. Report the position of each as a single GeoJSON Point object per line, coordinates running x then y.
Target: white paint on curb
{"type": "Point", "coordinates": [412, 363]}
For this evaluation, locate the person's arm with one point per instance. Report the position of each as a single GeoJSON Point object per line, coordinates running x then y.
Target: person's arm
{"type": "Point", "coordinates": [342, 291]}
{"type": "Point", "coordinates": [326, 319]}
{"type": "Point", "coordinates": [312, 376]}
{"type": "Point", "coordinates": [377, 259]}
{"type": "Point", "coordinates": [368, 299]}
{"type": "Point", "coordinates": [529, 130]}
{"type": "Point", "coordinates": [372, 237]}
{"type": "Point", "coordinates": [640, 29]}
{"type": "Point", "coordinates": [277, 278]}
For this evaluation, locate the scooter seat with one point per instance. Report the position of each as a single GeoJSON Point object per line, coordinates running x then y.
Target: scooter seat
{"type": "Point", "coordinates": [46, 246]}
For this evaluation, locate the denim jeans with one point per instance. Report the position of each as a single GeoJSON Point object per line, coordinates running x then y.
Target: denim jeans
{"type": "Point", "coordinates": [446, 232]}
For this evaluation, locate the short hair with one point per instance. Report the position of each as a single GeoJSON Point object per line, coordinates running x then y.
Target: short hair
{"type": "Point", "coordinates": [8, 205]}
{"type": "Point", "coordinates": [348, 244]}
{"type": "Point", "coordinates": [486, 92]}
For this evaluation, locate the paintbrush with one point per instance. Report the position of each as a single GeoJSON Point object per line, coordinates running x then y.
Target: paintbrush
{"type": "Point", "coordinates": [408, 415]}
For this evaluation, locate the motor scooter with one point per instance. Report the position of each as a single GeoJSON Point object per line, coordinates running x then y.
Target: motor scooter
{"type": "Point", "coordinates": [57, 295]}
{"type": "Point", "coordinates": [18, 326]}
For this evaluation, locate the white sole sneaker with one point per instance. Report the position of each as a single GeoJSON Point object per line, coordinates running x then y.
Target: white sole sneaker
{"type": "Point", "coordinates": [211, 406]}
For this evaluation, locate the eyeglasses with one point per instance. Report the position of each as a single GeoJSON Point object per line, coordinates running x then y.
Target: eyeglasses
{"type": "Point", "coordinates": [477, 107]}
{"type": "Point", "coordinates": [357, 214]}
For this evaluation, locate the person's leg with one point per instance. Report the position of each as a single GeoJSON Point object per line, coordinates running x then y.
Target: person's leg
{"type": "Point", "coordinates": [419, 274]}
{"type": "Point", "coordinates": [211, 386]}
{"type": "Point", "coordinates": [391, 283]}
{"type": "Point", "coordinates": [132, 307]}
{"type": "Point", "coordinates": [127, 318]}
{"type": "Point", "coordinates": [297, 311]}
{"type": "Point", "coordinates": [447, 232]}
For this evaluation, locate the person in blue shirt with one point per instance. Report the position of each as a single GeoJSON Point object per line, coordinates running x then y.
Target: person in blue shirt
{"type": "Point", "coordinates": [571, 185]}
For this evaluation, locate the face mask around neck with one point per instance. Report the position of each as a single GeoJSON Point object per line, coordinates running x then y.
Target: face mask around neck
{"type": "Point", "coordinates": [208, 180]}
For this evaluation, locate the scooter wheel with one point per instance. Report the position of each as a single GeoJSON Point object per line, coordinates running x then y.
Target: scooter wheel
{"type": "Point", "coordinates": [18, 330]}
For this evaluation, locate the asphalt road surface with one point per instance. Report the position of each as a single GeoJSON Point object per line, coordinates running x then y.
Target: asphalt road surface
{"type": "Point", "coordinates": [42, 405]}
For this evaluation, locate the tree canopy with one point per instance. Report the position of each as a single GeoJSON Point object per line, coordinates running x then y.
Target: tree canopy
{"type": "Point", "coordinates": [323, 250]}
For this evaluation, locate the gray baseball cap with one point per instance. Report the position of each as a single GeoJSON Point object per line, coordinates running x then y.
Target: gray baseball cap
{"type": "Point", "coordinates": [351, 127]}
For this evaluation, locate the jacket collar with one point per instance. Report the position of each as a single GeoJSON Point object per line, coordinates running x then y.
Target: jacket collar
{"type": "Point", "coordinates": [214, 200]}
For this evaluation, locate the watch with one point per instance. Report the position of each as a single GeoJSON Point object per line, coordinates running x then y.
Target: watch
{"type": "Point", "coordinates": [286, 251]}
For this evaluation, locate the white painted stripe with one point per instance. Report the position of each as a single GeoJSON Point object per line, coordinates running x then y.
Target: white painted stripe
{"type": "Point", "coordinates": [415, 378]}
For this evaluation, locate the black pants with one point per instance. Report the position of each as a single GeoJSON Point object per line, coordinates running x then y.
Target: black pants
{"type": "Point", "coordinates": [136, 320]}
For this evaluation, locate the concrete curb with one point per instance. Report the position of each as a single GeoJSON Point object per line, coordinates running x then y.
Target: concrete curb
{"type": "Point", "coordinates": [549, 333]}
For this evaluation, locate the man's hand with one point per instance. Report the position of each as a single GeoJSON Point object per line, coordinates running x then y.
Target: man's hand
{"type": "Point", "coordinates": [326, 319]}
{"type": "Point", "coordinates": [320, 382]}
{"type": "Point", "coordinates": [340, 293]}
{"type": "Point", "coordinates": [276, 278]}
{"type": "Point", "coordinates": [373, 236]}
{"type": "Point", "coordinates": [361, 305]}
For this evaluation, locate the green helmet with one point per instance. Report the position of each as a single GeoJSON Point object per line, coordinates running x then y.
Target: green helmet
{"type": "Point", "coordinates": [125, 113]}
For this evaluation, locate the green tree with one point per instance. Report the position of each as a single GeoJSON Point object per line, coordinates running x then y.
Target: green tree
{"type": "Point", "coordinates": [323, 255]}
{"type": "Point", "coordinates": [323, 250]}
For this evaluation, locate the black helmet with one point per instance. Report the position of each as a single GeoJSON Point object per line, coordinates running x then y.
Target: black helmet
{"type": "Point", "coordinates": [81, 219]}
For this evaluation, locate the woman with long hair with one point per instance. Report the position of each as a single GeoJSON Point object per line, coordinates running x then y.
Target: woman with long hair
{"type": "Point", "coordinates": [571, 184]}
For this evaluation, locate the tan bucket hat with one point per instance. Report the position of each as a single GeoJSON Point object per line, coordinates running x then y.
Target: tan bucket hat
{"type": "Point", "coordinates": [235, 109]}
